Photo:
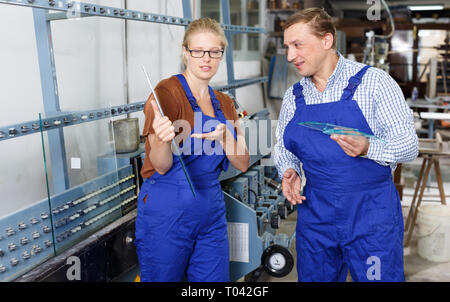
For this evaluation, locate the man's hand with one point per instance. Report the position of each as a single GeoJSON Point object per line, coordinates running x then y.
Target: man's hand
{"type": "Point", "coordinates": [290, 184]}
{"type": "Point", "coordinates": [352, 145]}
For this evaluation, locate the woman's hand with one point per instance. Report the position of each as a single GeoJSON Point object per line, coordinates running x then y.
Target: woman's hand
{"type": "Point", "coordinates": [160, 147]}
{"type": "Point", "coordinates": [217, 135]}
{"type": "Point", "coordinates": [236, 151]}
{"type": "Point", "coordinates": [164, 130]}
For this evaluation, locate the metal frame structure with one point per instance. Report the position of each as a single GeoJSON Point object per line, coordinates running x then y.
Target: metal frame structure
{"type": "Point", "coordinates": [57, 120]}
{"type": "Point", "coordinates": [80, 9]}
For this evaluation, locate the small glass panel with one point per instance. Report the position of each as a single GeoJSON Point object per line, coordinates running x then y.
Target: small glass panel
{"type": "Point", "coordinates": [330, 129]}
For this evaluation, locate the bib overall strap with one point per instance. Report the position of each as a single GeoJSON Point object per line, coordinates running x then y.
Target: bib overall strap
{"type": "Point", "coordinates": [353, 84]}
{"type": "Point", "coordinates": [298, 93]}
{"type": "Point", "coordinates": [188, 92]}
{"type": "Point", "coordinates": [214, 100]}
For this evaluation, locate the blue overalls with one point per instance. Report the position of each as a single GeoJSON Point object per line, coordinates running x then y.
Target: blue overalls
{"type": "Point", "coordinates": [178, 235]}
{"type": "Point", "coordinates": [351, 218]}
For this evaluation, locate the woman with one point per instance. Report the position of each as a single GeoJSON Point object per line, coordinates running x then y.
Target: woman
{"type": "Point", "coordinates": [178, 235]}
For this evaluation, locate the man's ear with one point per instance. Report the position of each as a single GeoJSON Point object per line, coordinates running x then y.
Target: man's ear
{"type": "Point", "coordinates": [327, 41]}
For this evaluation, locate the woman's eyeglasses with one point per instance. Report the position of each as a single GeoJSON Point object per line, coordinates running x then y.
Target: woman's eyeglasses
{"type": "Point", "coordinates": [213, 54]}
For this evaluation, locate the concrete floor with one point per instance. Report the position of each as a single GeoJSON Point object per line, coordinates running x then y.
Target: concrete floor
{"type": "Point", "coordinates": [417, 269]}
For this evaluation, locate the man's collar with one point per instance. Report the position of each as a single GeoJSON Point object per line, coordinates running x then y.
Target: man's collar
{"type": "Point", "coordinates": [337, 71]}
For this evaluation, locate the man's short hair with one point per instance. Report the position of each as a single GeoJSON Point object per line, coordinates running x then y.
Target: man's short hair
{"type": "Point", "coordinates": [318, 20]}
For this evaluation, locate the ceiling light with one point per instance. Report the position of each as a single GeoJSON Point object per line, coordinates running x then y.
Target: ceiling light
{"type": "Point", "coordinates": [425, 7]}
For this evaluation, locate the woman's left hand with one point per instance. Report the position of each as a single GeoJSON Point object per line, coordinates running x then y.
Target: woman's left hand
{"type": "Point", "coordinates": [216, 135]}
{"type": "Point", "coordinates": [235, 150]}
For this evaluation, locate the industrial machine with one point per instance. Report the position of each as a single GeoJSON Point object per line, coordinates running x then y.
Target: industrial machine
{"type": "Point", "coordinates": [252, 229]}
{"type": "Point", "coordinates": [255, 210]}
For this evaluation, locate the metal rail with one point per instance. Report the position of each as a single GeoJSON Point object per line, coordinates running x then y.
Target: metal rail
{"type": "Point", "coordinates": [74, 9]}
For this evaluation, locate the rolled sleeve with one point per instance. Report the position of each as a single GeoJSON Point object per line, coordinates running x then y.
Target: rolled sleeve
{"type": "Point", "coordinates": [395, 123]}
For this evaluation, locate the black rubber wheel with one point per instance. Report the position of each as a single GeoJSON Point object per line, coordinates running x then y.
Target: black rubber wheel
{"type": "Point", "coordinates": [285, 253]}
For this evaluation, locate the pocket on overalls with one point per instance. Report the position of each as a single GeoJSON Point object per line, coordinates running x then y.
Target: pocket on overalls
{"type": "Point", "coordinates": [383, 219]}
{"type": "Point", "coordinates": [155, 220]}
{"type": "Point", "coordinates": [142, 198]}
{"type": "Point", "coordinates": [160, 197]}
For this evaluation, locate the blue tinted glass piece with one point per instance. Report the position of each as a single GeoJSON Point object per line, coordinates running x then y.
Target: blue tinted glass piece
{"type": "Point", "coordinates": [335, 129]}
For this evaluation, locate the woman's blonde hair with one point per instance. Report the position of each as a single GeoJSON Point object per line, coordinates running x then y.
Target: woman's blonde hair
{"type": "Point", "coordinates": [204, 25]}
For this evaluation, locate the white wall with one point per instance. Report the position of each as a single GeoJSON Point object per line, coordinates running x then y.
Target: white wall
{"type": "Point", "coordinates": [89, 57]}
{"type": "Point", "coordinates": [21, 166]}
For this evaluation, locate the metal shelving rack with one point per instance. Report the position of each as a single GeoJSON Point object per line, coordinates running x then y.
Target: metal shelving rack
{"type": "Point", "coordinates": [55, 119]}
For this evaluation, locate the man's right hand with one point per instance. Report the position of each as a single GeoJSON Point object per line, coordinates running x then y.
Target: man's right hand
{"type": "Point", "coordinates": [291, 184]}
{"type": "Point", "coordinates": [164, 130]}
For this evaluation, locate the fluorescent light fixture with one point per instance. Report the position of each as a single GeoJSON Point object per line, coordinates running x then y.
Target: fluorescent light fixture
{"type": "Point", "coordinates": [426, 7]}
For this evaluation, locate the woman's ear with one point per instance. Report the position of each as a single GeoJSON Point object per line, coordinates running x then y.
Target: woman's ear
{"type": "Point", "coordinates": [184, 55]}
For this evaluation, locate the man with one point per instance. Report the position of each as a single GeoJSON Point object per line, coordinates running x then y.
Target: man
{"type": "Point", "coordinates": [350, 215]}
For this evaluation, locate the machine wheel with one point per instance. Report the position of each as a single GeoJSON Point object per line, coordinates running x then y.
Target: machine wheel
{"type": "Point", "coordinates": [282, 211]}
{"type": "Point", "coordinates": [277, 261]}
{"type": "Point", "coordinates": [275, 220]}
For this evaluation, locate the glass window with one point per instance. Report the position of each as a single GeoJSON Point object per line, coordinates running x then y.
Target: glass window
{"type": "Point", "coordinates": [244, 13]}
{"type": "Point", "coordinates": [210, 9]}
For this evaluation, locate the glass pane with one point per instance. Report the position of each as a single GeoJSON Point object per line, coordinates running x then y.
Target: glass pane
{"type": "Point", "coordinates": [89, 185]}
{"type": "Point", "coordinates": [23, 197]}
{"type": "Point", "coordinates": [24, 210]}
{"type": "Point", "coordinates": [89, 177]}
